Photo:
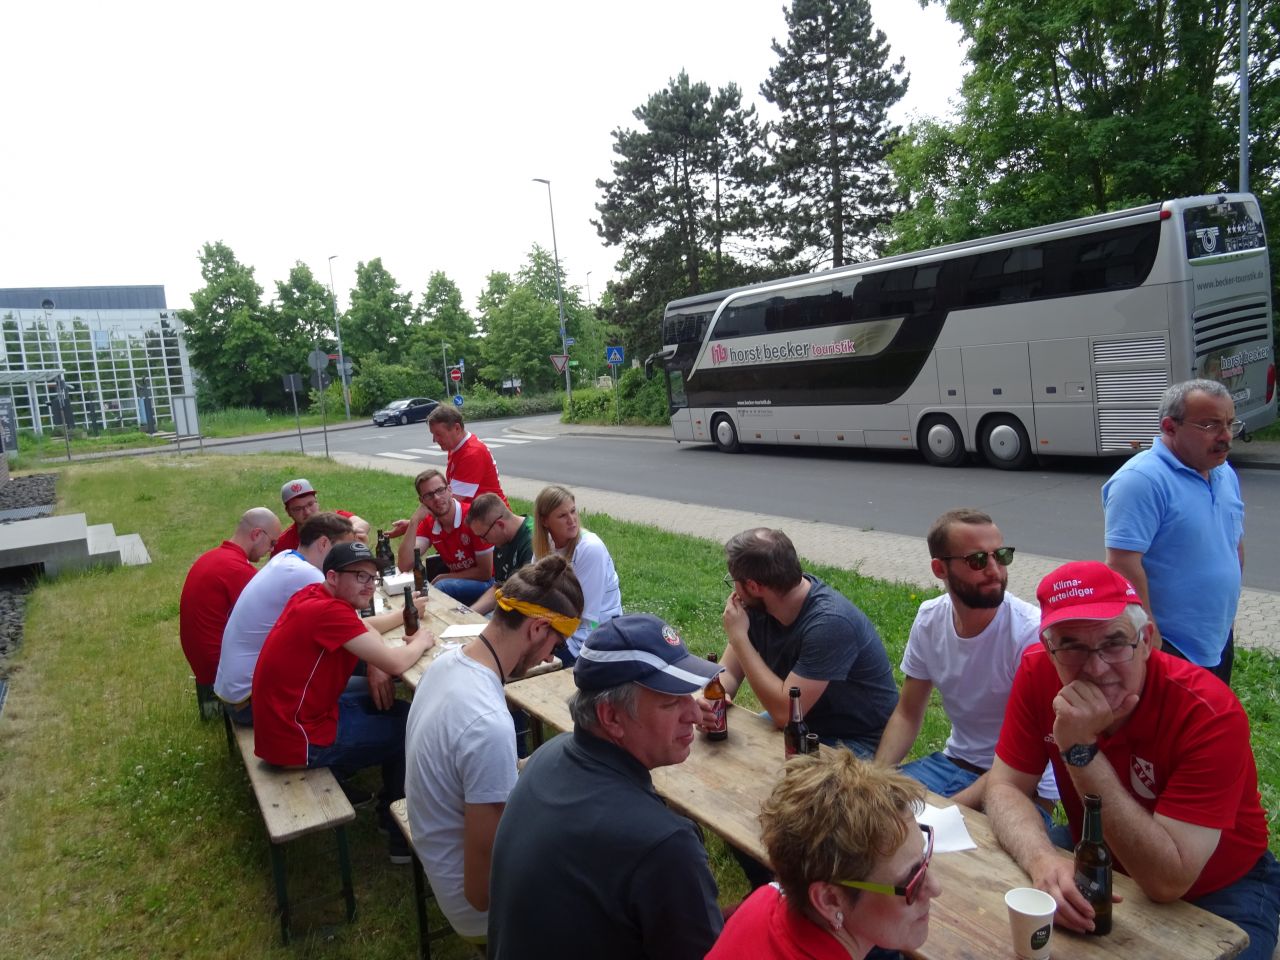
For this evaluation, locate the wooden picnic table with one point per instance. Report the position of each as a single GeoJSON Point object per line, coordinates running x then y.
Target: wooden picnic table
{"type": "Point", "coordinates": [442, 611]}
{"type": "Point", "coordinates": [722, 785]}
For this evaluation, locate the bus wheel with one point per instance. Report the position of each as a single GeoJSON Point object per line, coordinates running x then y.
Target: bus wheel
{"type": "Point", "coordinates": [1005, 443]}
{"type": "Point", "coordinates": [726, 434]}
{"type": "Point", "coordinates": [941, 442]}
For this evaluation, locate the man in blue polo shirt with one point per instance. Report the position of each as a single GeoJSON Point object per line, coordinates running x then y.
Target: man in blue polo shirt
{"type": "Point", "coordinates": [1175, 525]}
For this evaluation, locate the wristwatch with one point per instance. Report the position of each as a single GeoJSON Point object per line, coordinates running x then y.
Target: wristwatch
{"type": "Point", "coordinates": [1080, 755]}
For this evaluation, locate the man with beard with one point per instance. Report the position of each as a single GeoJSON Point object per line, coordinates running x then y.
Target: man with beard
{"type": "Point", "coordinates": [461, 747]}
{"type": "Point", "coordinates": [1176, 501]}
{"type": "Point", "coordinates": [787, 628]}
{"type": "Point", "coordinates": [967, 643]}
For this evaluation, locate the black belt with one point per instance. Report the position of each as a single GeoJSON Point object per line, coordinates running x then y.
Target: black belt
{"type": "Point", "coordinates": [965, 765]}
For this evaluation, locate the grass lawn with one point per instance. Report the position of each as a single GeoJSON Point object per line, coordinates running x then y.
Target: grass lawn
{"type": "Point", "coordinates": [128, 830]}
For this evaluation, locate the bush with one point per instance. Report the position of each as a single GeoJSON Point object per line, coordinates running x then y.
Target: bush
{"type": "Point", "coordinates": [591, 405]}
{"type": "Point", "coordinates": [641, 402]}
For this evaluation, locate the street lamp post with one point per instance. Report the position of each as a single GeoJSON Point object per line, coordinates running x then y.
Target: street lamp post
{"type": "Point", "coordinates": [444, 360]}
{"type": "Point", "coordinates": [589, 289]}
{"type": "Point", "coordinates": [564, 346]}
{"type": "Point", "coordinates": [337, 328]}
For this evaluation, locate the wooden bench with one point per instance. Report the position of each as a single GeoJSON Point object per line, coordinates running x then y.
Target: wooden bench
{"type": "Point", "coordinates": [295, 803]}
{"type": "Point", "coordinates": [422, 894]}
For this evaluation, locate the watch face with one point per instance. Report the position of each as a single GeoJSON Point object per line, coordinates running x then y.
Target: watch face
{"type": "Point", "coordinates": [1080, 754]}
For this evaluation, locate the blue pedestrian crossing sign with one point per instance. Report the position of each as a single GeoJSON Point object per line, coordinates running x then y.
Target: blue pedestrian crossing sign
{"type": "Point", "coordinates": [613, 355]}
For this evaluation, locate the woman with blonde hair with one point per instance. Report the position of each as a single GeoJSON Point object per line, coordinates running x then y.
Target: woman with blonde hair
{"type": "Point", "coordinates": [556, 528]}
{"type": "Point", "coordinates": [851, 861]}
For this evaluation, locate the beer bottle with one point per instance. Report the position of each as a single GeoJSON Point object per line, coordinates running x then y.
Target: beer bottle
{"type": "Point", "coordinates": [718, 727]}
{"type": "Point", "coordinates": [796, 730]}
{"type": "Point", "coordinates": [1093, 866]}
{"type": "Point", "coordinates": [386, 559]}
{"type": "Point", "coordinates": [419, 573]}
{"type": "Point", "coordinates": [410, 612]}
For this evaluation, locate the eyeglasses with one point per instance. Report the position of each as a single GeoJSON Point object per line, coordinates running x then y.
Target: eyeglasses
{"type": "Point", "coordinates": [1077, 655]}
{"type": "Point", "coordinates": [912, 890]}
{"type": "Point", "coordinates": [432, 494]}
{"type": "Point", "coordinates": [362, 578]}
{"type": "Point", "coordinates": [729, 580]}
{"type": "Point", "coordinates": [1234, 427]}
{"type": "Point", "coordinates": [978, 559]}
{"type": "Point", "coordinates": [489, 529]}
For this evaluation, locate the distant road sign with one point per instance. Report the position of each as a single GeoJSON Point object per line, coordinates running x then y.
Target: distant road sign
{"type": "Point", "coordinates": [317, 359]}
{"type": "Point", "coordinates": [613, 355]}
{"type": "Point", "coordinates": [558, 360]}
{"type": "Point", "coordinates": [455, 374]}
{"type": "Point", "coordinates": [457, 399]}
{"type": "Point", "coordinates": [292, 382]}
{"type": "Point", "coordinates": [569, 341]}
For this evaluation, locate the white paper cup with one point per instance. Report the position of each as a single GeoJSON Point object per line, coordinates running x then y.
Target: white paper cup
{"type": "Point", "coordinates": [1031, 921]}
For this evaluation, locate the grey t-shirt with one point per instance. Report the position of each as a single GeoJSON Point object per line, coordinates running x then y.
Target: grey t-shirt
{"type": "Point", "coordinates": [832, 640]}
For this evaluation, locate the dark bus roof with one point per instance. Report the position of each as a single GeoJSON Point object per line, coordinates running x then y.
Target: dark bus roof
{"type": "Point", "coordinates": [716, 296]}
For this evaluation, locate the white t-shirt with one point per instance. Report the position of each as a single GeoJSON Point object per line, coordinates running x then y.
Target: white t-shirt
{"type": "Point", "coordinates": [252, 618]}
{"type": "Point", "coordinates": [460, 748]}
{"type": "Point", "coordinates": [973, 675]}
{"type": "Point", "coordinates": [601, 595]}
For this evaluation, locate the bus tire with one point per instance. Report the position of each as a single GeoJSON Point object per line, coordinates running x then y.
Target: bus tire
{"type": "Point", "coordinates": [726, 434]}
{"type": "Point", "coordinates": [941, 441]}
{"type": "Point", "coordinates": [1005, 444]}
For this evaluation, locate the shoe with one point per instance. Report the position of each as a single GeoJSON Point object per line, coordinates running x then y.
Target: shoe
{"type": "Point", "coordinates": [358, 797]}
{"type": "Point", "coordinates": [398, 851]}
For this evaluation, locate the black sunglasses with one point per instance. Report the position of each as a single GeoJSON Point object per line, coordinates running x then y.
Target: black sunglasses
{"type": "Point", "coordinates": [978, 559]}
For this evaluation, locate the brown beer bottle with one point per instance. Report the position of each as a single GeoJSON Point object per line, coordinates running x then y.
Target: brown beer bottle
{"type": "Point", "coordinates": [410, 612]}
{"type": "Point", "coordinates": [419, 574]}
{"type": "Point", "coordinates": [718, 726]}
{"type": "Point", "coordinates": [796, 730]}
{"type": "Point", "coordinates": [1093, 866]}
{"type": "Point", "coordinates": [385, 558]}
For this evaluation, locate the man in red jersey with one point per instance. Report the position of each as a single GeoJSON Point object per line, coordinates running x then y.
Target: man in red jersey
{"type": "Point", "coordinates": [438, 522]}
{"type": "Point", "coordinates": [1163, 742]}
{"type": "Point", "coordinates": [471, 469]}
{"type": "Point", "coordinates": [299, 498]}
{"type": "Point", "coordinates": [303, 713]}
{"type": "Point", "coordinates": [211, 589]}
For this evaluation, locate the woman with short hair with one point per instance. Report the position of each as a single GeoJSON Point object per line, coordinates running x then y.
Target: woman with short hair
{"type": "Point", "coordinates": [851, 861]}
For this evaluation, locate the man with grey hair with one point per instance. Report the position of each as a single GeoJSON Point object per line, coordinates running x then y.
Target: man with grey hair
{"type": "Point", "coordinates": [585, 821]}
{"type": "Point", "coordinates": [1175, 517]}
{"type": "Point", "coordinates": [787, 628]}
{"type": "Point", "coordinates": [1160, 741]}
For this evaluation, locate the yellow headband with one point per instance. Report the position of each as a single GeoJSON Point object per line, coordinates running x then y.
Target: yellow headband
{"type": "Point", "coordinates": [565, 626]}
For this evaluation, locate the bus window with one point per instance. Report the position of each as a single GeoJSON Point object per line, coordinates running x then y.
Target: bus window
{"type": "Point", "coordinates": [676, 398]}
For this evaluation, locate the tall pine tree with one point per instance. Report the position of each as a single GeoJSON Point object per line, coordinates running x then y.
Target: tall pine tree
{"type": "Point", "coordinates": [833, 85]}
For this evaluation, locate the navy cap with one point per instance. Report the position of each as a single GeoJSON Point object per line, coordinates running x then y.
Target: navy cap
{"type": "Point", "coordinates": [640, 648]}
{"type": "Point", "coordinates": [343, 555]}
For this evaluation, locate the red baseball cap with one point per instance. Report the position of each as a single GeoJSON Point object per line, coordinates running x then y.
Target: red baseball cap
{"type": "Point", "coordinates": [1083, 590]}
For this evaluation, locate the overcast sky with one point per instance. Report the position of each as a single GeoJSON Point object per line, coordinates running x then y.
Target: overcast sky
{"type": "Point", "coordinates": [135, 132]}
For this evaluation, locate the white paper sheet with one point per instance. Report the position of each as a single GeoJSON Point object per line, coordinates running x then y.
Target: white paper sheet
{"type": "Point", "coordinates": [462, 630]}
{"type": "Point", "coordinates": [949, 832]}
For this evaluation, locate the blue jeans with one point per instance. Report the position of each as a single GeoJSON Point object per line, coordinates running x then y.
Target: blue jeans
{"type": "Point", "coordinates": [1251, 903]}
{"type": "Point", "coordinates": [366, 736]}
{"type": "Point", "coordinates": [464, 591]}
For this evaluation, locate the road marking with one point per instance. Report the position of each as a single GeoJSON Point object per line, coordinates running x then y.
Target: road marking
{"type": "Point", "coordinates": [425, 453]}
{"type": "Point", "coordinates": [397, 456]}
{"type": "Point", "coordinates": [534, 436]}
{"type": "Point", "coordinates": [503, 439]}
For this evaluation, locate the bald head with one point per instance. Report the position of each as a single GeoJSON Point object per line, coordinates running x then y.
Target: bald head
{"type": "Point", "coordinates": [257, 532]}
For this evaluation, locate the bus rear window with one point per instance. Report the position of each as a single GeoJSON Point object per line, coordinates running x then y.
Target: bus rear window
{"type": "Point", "coordinates": [1218, 228]}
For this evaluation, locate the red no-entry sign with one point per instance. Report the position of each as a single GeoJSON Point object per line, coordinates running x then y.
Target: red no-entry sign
{"type": "Point", "coordinates": [455, 374]}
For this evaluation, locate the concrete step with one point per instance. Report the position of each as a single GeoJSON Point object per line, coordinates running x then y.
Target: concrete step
{"type": "Point", "coordinates": [57, 543]}
{"type": "Point", "coordinates": [133, 552]}
{"type": "Point", "coordinates": [104, 548]}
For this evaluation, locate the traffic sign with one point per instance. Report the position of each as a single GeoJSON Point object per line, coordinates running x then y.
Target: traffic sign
{"type": "Point", "coordinates": [346, 366]}
{"type": "Point", "coordinates": [457, 399]}
{"type": "Point", "coordinates": [613, 355]}
{"type": "Point", "coordinates": [569, 341]}
{"type": "Point", "coordinates": [558, 360]}
{"type": "Point", "coordinates": [455, 374]}
{"type": "Point", "coordinates": [317, 359]}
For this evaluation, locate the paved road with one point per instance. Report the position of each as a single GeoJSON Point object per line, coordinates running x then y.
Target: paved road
{"type": "Point", "coordinates": [1053, 512]}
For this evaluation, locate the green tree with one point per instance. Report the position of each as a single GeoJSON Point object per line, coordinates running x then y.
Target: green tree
{"type": "Point", "coordinates": [377, 324]}
{"type": "Point", "coordinates": [833, 85]}
{"type": "Point", "coordinates": [229, 336]}
{"type": "Point", "coordinates": [686, 200]}
{"type": "Point", "coordinates": [1076, 107]}
{"type": "Point", "coordinates": [302, 318]}
{"type": "Point", "coordinates": [440, 318]}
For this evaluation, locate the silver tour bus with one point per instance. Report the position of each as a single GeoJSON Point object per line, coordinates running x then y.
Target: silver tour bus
{"type": "Point", "coordinates": [1054, 340]}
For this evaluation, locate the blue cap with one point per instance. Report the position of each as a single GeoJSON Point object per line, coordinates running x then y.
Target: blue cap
{"type": "Point", "coordinates": [640, 648]}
